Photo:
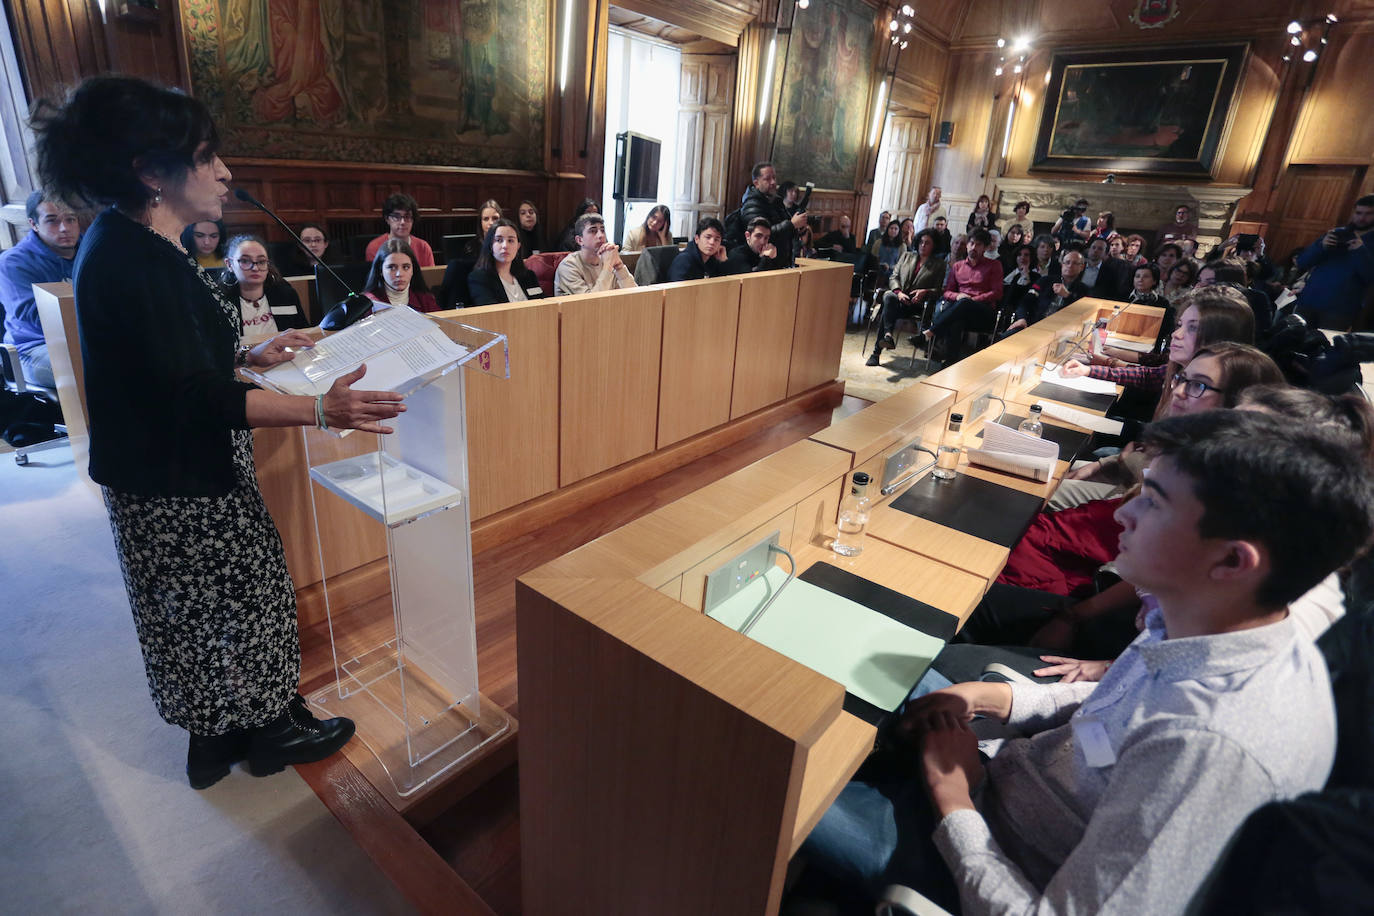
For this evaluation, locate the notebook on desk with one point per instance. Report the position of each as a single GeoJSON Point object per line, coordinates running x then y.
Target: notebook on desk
{"type": "Point", "coordinates": [875, 641]}
{"type": "Point", "coordinates": [1088, 399]}
{"type": "Point", "coordinates": [1070, 441]}
{"type": "Point", "coordinates": [985, 510]}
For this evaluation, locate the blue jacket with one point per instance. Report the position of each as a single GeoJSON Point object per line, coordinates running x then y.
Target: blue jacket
{"type": "Point", "coordinates": [25, 264]}
{"type": "Point", "coordinates": [1338, 282]}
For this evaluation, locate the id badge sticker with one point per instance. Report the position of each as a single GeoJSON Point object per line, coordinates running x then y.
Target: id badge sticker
{"type": "Point", "coordinates": [533, 291]}
{"type": "Point", "coordinates": [1092, 738]}
{"type": "Point", "coordinates": [284, 310]}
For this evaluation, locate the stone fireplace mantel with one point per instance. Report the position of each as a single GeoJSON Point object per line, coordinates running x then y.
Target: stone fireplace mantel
{"type": "Point", "coordinates": [1137, 205]}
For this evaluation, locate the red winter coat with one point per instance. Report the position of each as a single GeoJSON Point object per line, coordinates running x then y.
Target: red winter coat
{"type": "Point", "coordinates": [1061, 551]}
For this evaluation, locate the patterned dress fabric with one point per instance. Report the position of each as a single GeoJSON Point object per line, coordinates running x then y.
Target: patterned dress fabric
{"type": "Point", "coordinates": [212, 600]}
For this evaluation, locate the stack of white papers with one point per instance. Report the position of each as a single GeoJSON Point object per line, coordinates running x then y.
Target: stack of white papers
{"type": "Point", "coordinates": [1085, 384]}
{"type": "Point", "coordinates": [399, 345]}
{"type": "Point", "coordinates": [1010, 450]}
{"type": "Point", "coordinates": [1082, 419]}
{"type": "Point", "coordinates": [1135, 346]}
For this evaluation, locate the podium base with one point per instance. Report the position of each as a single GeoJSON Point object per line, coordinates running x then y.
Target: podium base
{"type": "Point", "coordinates": [409, 723]}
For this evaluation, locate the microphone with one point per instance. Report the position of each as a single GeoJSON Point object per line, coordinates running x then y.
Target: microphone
{"type": "Point", "coordinates": [344, 313]}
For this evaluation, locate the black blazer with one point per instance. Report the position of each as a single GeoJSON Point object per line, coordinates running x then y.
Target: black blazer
{"type": "Point", "coordinates": [485, 287]}
{"type": "Point", "coordinates": [1113, 280]}
{"type": "Point", "coordinates": [158, 348]}
{"type": "Point", "coordinates": [688, 265]}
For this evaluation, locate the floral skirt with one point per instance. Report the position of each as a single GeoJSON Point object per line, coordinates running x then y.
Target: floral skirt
{"type": "Point", "coordinates": [212, 601]}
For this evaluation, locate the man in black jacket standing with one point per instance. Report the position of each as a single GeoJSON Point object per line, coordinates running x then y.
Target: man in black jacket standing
{"type": "Point", "coordinates": [761, 201]}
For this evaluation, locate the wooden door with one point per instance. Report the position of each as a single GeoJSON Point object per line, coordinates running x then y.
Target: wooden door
{"type": "Point", "coordinates": [705, 99]}
{"type": "Point", "coordinates": [901, 162]}
{"type": "Point", "coordinates": [1311, 199]}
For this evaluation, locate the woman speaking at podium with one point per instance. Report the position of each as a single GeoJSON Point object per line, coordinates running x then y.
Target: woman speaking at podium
{"type": "Point", "coordinates": [170, 436]}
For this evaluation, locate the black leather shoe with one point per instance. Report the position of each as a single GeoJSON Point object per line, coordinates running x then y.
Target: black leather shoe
{"type": "Point", "coordinates": [872, 360]}
{"type": "Point", "coordinates": [887, 343]}
{"type": "Point", "coordinates": [210, 756]}
{"type": "Point", "coordinates": [295, 737]}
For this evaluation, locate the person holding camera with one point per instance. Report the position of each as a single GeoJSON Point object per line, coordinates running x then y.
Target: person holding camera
{"type": "Point", "coordinates": [762, 201]}
{"type": "Point", "coordinates": [1341, 271]}
{"type": "Point", "coordinates": [1073, 225]}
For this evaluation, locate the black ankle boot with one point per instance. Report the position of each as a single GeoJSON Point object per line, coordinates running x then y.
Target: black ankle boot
{"type": "Point", "coordinates": [210, 756]}
{"type": "Point", "coordinates": [294, 737]}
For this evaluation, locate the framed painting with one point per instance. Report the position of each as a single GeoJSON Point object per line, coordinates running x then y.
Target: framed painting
{"type": "Point", "coordinates": [1147, 112]}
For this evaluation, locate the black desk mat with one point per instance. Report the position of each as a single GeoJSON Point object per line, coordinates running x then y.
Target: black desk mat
{"type": "Point", "coordinates": [986, 510]}
{"type": "Point", "coordinates": [1070, 441]}
{"type": "Point", "coordinates": [1064, 395]}
{"type": "Point", "coordinates": [902, 608]}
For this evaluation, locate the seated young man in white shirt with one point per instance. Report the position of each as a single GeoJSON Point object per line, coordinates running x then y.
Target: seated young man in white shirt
{"type": "Point", "coordinates": [595, 265]}
{"type": "Point", "coordinates": [1121, 795]}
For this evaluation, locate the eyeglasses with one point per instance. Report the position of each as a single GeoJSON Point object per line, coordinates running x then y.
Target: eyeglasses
{"type": "Point", "coordinates": [399, 218]}
{"type": "Point", "coordinates": [250, 264]}
{"type": "Point", "coordinates": [1193, 387]}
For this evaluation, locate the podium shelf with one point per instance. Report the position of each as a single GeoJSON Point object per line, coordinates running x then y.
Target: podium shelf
{"type": "Point", "coordinates": [389, 490]}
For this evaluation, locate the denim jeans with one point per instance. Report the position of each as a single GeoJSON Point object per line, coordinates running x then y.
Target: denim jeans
{"type": "Point", "coordinates": [878, 832]}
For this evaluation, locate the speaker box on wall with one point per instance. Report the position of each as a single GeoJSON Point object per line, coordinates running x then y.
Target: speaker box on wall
{"type": "Point", "coordinates": [945, 136]}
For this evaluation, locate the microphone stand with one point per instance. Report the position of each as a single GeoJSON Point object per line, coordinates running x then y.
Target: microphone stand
{"type": "Point", "coordinates": [343, 314]}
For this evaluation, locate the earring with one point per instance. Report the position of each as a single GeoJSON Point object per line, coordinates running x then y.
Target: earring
{"type": "Point", "coordinates": [157, 198]}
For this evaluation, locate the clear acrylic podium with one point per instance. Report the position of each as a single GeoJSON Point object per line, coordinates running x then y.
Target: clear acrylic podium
{"type": "Point", "coordinates": [406, 668]}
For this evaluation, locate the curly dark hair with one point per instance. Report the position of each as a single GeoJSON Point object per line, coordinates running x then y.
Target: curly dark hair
{"type": "Point", "coordinates": [93, 147]}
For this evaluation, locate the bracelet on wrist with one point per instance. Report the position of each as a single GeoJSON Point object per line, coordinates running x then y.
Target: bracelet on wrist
{"type": "Point", "coordinates": [320, 422]}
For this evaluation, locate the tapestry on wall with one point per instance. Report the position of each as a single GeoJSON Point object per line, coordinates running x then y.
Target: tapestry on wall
{"type": "Point", "coordinates": [447, 82]}
{"type": "Point", "coordinates": [825, 92]}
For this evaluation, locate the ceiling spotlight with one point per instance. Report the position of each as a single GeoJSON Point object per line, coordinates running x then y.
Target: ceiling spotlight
{"type": "Point", "coordinates": [906, 27]}
{"type": "Point", "coordinates": [1022, 45]}
{"type": "Point", "coordinates": [1309, 55]}
{"type": "Point", "coordinates": [1331, 17]}
{"type": "Point", "coordinates": [1287, 58]}
{"type": "Point", "coordinates": [803, 4]}
{"type": "Point", "coordinates": [907, 10]}
{"type": "Point", "coordinates": [892, 26]}
{"type": "Point", "coordinates": [1016, 69]}
{"type": "Point", "coordinates": [904, 46]}
{"type": "Point", "coordinates": [1294, 27]}
{"type": "Point", "coordinates": [1001, 42]}
{"type": "Point", "coordinates": [998, 71]}
{"type": "Point", "coordinates": [1323, 41]}
{"type": "Point", "coordinates": [1294, 41]}
{"type": "Point", "coordinates": [894, 39]}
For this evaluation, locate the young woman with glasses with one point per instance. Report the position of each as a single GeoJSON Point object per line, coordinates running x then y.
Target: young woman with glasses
{"type": "Point", "coordinates": [267, 303]}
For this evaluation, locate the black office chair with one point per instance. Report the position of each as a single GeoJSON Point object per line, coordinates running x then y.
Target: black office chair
{"type": "Point", "coordinates": [455, 246]}
{"type": "Point", "coordinates": [33, 420]}
{"type": "Point", "coordinates": [653, 264]}
{"type": "Point", "coordinates": [328, 291]}
{"type": "Point", "coordinates": [453, 293]}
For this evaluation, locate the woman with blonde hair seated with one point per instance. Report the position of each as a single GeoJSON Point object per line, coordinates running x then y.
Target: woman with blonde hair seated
{"type": "Point", "coordinates": [656, 230]}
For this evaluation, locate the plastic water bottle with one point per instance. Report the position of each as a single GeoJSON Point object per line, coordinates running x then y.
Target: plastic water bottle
{"type": "Point", "coordinates": [947, 455]}
{"type": "Point", "coordinates": [849, 541]}
{"type": "Point", "coordinates": [1032, 426]}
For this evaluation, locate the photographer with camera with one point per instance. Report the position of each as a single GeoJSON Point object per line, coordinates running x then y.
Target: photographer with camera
{"type": "Point", "coordinates": [1073, 225]}
{"type": "Point", "coordinates": [762, 201]}
{"type": "Point", "coordinates": [1341, 271]}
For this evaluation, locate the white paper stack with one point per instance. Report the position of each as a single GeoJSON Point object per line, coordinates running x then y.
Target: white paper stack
{"type": "Point", "coordinates": [1082, 419]}
{"type": "Point", "coordinates": [1010, 450]}
{"type": "Point", "coordinates": [1085, 384]}
{"type": "Point", "coordinates": [399, 345]}
{"type": "Point", "coordinates": [1135, 346]}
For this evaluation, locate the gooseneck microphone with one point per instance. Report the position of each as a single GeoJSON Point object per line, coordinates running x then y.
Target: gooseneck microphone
{"type": "Point", "coordinates": [343, 314]}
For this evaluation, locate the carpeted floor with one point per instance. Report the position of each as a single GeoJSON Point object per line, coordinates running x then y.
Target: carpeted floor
{"type": "Point", "coordinates": [874, 383]}
{"type": "Point", "coordinates": [97, 813]}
